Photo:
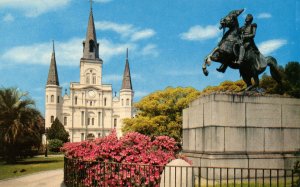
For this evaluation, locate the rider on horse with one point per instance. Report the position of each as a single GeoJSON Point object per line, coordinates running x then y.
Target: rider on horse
{"type": "Point", "coordinates": [248, 32]}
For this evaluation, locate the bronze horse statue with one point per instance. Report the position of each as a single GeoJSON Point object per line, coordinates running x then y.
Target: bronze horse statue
{"type": "Point", "coordinates": [226, 53]}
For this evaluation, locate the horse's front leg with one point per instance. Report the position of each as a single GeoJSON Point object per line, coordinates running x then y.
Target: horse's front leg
{"type": "Point", "coordinates": [207, 61]}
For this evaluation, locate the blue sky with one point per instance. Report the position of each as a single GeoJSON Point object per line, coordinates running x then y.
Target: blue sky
{"type": "Point", "coordinates": [167, 40]}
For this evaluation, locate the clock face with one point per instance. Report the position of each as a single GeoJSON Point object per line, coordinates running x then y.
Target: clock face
{"type": "Point", "coordinates": [91, 93]}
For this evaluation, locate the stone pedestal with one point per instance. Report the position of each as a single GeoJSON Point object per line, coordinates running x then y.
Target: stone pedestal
{"type": "Point", "coordinates": [225, 130]}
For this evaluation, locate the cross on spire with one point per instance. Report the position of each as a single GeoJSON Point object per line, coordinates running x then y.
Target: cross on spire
{"type": "Point", "coordinates": [91, 4]}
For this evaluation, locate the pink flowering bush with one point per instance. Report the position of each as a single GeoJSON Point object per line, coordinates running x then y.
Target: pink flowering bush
{"type": "Point", "coordinates": [132, 160]}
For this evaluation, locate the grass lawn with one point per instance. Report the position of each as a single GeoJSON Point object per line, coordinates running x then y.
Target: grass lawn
{"type": "Point", "coordinates": [29, 165]}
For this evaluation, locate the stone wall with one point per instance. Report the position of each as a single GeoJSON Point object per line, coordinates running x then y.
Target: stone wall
{"type": "Point", "coordinates": [225, 130]}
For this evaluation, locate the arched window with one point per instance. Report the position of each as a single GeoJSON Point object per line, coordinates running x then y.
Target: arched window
{"type": "Point", "coordinates": [105, 101]}
{"type": "Point", "coordinates": [87, 78]}
{"type": "Point", "coordinates": [93, 121]}
{"type": "Point", "coordinates": [75, 100]}
{"type": "Point", "coordinates": [65, 121]}
{"type": "Point", "coordinates": [127, 102]}
{"type": "Point", "coordinates": [91, 103]}
{"type": "Point", "coordinates": [57, 99]}
{"type": "Point", "coordinates": [52, 98]}
{"type": "Point", "coordinates": [94, 78]}
{"type": "Point", "coordinates": [51, 119]}
{"type": "Point", "coordinates": [91, 45]}
{"type": "Point", "coordinates": [115, 123]}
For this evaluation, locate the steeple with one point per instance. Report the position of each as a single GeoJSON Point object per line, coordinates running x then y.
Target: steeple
{"type": "Point", "coordinates": [126, 84]}
{"type": "Point", "coordinates": [53, 75]}
{"type": "Point", "coordinates": [90, 45]}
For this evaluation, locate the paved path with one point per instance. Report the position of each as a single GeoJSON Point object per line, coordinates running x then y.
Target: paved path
{"type": "Point", "coordinates": [52, 178]}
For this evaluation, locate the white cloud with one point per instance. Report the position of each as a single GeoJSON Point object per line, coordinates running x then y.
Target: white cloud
{"type": "Point", "coordinates": [67, 53]}
{"type": "Point", "coordinates": [109, 49]}
{"type": "Point", "coordinates": [139, 94]}
{"type": "Point", "coordinates": [33, 8]}
{"type": "Point", "coordinates": [112, 78]}
{"type": "Point", "coordinates": [125, 30]}
{"type": "Point", "coordinates": [143, 34]}
{"type": "Point", "coordinates": [150, 50]}
{"type": "Point", "coordinates": [270, 46]}
{"type": "Point", "coordinates": [264, 15]}
{"type": "Point", "coordinates": [8, 18]}
{"type": "Point", "coordinates": [200, 33]}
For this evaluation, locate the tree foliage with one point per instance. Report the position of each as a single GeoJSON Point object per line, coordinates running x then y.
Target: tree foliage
{"type": "Point", "coordinates": [57, 131]}
{"type": "Point", "coordinates": [160, 113]}
{"type": "Point", "coordinates": [55, 145]}
{"type": "Point", "coordinates": [21, 125]}
{"type": "Point", "coordinates": [226, 86]}
{"type": "Point", "coordinates": [290, 81]}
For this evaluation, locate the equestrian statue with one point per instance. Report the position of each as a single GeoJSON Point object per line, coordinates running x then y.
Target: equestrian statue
{"type": "Point", "coordinates": [237, 50]}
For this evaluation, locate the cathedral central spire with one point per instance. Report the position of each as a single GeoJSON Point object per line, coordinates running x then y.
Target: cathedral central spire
{"type": "Point", "coordinates": [90, 45]}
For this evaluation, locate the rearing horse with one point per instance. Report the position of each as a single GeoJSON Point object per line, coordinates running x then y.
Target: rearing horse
{"type": "Point", "coordinates": [226, 53]}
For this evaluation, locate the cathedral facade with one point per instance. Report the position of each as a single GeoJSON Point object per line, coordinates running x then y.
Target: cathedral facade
{"type": "Point", "coordinates": [89, 110]}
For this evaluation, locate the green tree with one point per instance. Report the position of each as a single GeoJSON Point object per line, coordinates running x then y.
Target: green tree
{"type": "Point", "coordinates": [160, 113]}
{"type": "Point", "coordinates": [20, 123]}
{"type": "Point", "coordinates": [57, 131]}
{"type": "Point", "coordinates": [290, 81]}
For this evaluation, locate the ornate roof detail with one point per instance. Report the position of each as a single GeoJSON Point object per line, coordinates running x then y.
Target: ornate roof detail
{"type": "Point", "coordinates": [126, 84]}
{"type": "Point", "coordinates": [53, 75]}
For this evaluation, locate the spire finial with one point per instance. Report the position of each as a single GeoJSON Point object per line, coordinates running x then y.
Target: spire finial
{"type": "Point", "coordinates": [91, 5]}
{"type": "Point", "coordinates": [53, 46]}
{"type": "Point", "coordinates": [127, 54]}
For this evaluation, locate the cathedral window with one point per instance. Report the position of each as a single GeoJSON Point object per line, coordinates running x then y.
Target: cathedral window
{"type": "Point", "coordinates": [82, 136]}
{"type": "Point", "coordinates": [91, 103]}
{"type": "Point", "coordinates": [75, 100]}
{"type": "Point", "coordinates": [52, 98]}
{"type": "Point", "coordinates": [91, 45]}
{"type": "Point", "coordinates": [51, 119]}
{"type": "Point", "coordinates": [104, 101]}
{"type": "Point", "coordinates": [87, 78]}
{"type": "Point", "coordinates": [127, 102]}
{"type": "Point", "coordinates": [115, 123]}
{"type": "Point", "coordinates": [57, 99]}
{"type": "Point", "coordinates": [94, 78]}
{"type": "Point", "coordinates": [93, 120]}
{"type": "Point", "coordinates": [65, 121]}
{"type": "Point", "coordinates": [82, 118]}
{"type": "Point", "coordinates": [99, 119]}
{"type": "Point", "coordinates": [89, 121]}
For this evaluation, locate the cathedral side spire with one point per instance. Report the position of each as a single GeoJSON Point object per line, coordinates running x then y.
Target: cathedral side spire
{"type": "Point", "coordinates": [126, 84]}
{"type": "Point", "coordinates": [90, 45]}
{"type": "Point", "coordinates": [53, 75]}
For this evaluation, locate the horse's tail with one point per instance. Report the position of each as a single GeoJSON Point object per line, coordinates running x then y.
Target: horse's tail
{"type": "Point", "coordinates": [272, 63]}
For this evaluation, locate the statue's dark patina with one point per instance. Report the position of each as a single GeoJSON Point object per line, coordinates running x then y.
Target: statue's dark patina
{"type": "Point", "coordinates": [238, 51]}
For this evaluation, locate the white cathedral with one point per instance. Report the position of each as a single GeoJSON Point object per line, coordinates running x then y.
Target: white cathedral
{"type": "Point", "coordinates": [90, 110]}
